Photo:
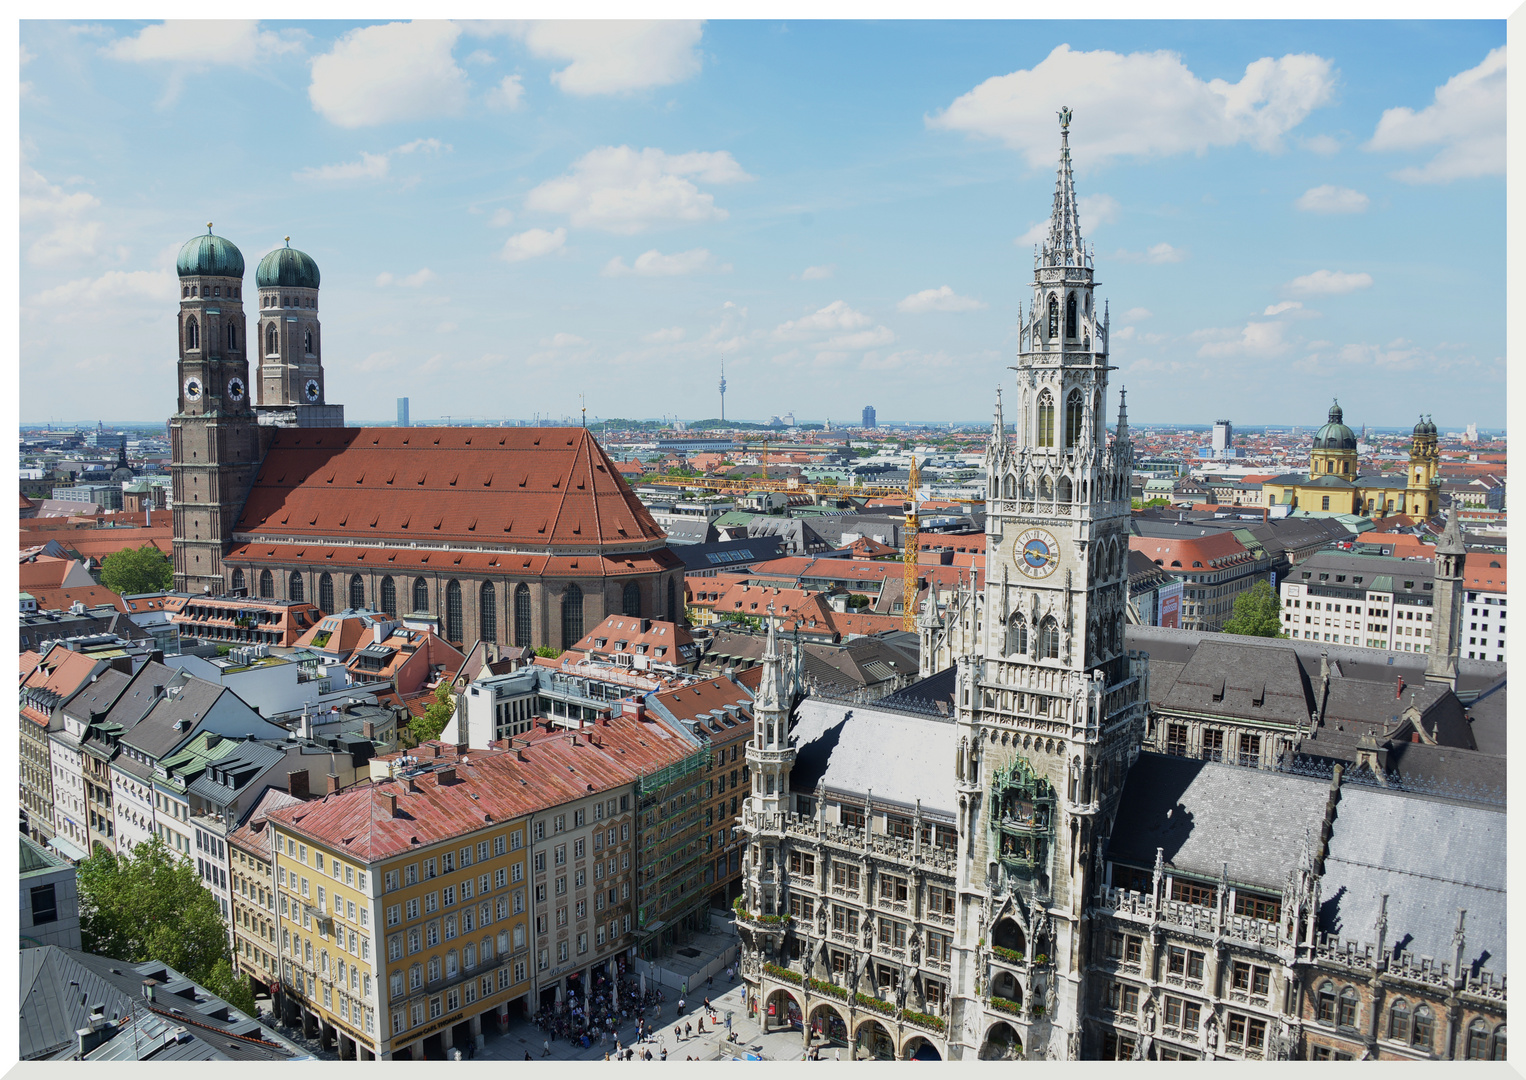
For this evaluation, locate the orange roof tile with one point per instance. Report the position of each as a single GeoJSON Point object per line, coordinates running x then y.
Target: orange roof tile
{"type": "Point", "coordinates": [1484, 571]}
{"type": "Point", "coordinates": [63, 599]}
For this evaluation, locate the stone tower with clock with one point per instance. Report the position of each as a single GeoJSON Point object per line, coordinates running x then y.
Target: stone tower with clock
{"type": "Point", "coordinates": [215, 443]}
{"type": "Point", "coordinates": [290, 390]}
{"type": "Point", "coordinates": [1049, 704]}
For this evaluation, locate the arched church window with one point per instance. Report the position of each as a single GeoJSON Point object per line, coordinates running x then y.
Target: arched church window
{"type": "Point", "coordinates": [453, 628]}
{"type": "Point", "coordinates": [232, 336]}
{"type": "Point", "coordinates": [487, 612]}
{"type": "Point", "coordinates": [420, 594]}
{"type": "Point", "coordinates": [572, 616]}
{"type": "Point", "coordinates": [326, 594]}
{"type": "Point", "coordinates": [294, 587]}
{"type": "Point", "coordinates": [272, 340]}
{"type": "Point", "coordinates": [217, 290]}
{"type": "Point", "coordinates": [185, 291]}
{"type": "Point", "coordinates": [1009, 487]}
{"type": "Point", "coordinates": [307, 342]}
{"type": "Point", "coordinates": [192, 333]}
{"type": "Point", "coordinates": [1070, 316]}
{"type": "Point", "coordinates": [1097, 436]}
{"type": "Point", "coordinates": [673, 612]}
{"type": "Point", "coordinates": [1062, 490]}
{"type": "Point", "coordinates": [1074, 415]}
{"type": "Point", "coordinates": [1046, 489]}
{"type": "Point", "coordinates": [389, 597]}
{"type": "Point", "coordinates": [238, 578]}
{"type": "Point", "coordinates": [1017, 634]}
{"type": "Point", "coordinates": [357, 592]}
{"type": "Point", "coordinates": [1054, 317]}
{"type": "Point", "coordinates": [522, 624]}
{"type": "Point", "coordinates": [267, 585]}
{"type": "Point", "coordinates": [630, 600]}
{"type": "Point", "coordinates": [1049, 639]}
{"type": "Point", "coordinates": [1045, 433]}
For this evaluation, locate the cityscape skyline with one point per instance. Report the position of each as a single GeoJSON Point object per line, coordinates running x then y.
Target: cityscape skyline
{"type": "Point", "coordinates": [1279, 220]}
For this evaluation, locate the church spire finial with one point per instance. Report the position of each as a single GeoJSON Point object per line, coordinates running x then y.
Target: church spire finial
{"type": "Point", "coordinates": [1065, 247]}
{"type": "Point", "coordinates": [1123, 414]}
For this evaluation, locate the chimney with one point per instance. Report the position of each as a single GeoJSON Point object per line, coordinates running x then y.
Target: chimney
{"type": "Point", "coordinates": [368, 729]}
{"type": "Point", "coordinates": [213, 738]}
{"type": "Point", "coordinates": [148, 989]}
{"type": "Point", "coordinates": [305, 724]}
{"type": "Point", "coordinates": [296, 784]}
{"type": "Point", "coordinates": [391, 798]}
{"type": "Point", "coordinates": [434, 749]}
{"type": "Point", "coordinates": [446, 776]}
{"type": "Point", "coordinates": [461, 749]}
{"type": "Point", "coordinates": [1399, 693]}
{"type": "Point", "coordinates": [333, 783]}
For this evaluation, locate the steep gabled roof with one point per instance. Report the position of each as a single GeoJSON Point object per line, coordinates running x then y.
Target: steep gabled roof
{"type": "Point", "coordinates": [543, 487]}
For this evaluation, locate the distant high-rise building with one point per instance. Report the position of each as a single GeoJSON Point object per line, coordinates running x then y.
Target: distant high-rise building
{"type": "Point", "coordinates": [869, 416]}
{"type": "Point", "coordinates": [1223, 437]}
{"type": "Point", "coordinates": [1471, 435]}
{"type": "Point", "coordinates": [723, 391]}
{"type": "Point", "coordinates": [402, 412]}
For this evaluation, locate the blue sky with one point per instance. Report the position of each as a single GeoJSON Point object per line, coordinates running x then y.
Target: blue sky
{"type": "Point", "coordinates": [510, 215]}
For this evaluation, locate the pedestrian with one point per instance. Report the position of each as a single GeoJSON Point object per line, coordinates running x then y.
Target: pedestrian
{"type": "Point", "coordinates": [545, 1049]}
{"type": "Point", "coordinates": [678, 1033]}
{"type": "Point", "coordinates": [606, 1055]}
{"type": "Point", "coordinates": [528, 1057]}
{"type": "Point", "coordinates": [701, 1025]}
{"type": "Point", "coordinates": [839, 1054]}
{"type": "Point", "coordinates": [689, 1030]}
{"type": "Point", "coordinates": [664, 1053]}
{"type": "Point", "coordinates": [707, 1005]}
{"type": "Point", "coordinates": [680, 1005]}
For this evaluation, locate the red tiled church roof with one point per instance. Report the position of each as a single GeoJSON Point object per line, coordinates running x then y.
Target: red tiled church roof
{"type": "Point", "coordinates": [544, 487]}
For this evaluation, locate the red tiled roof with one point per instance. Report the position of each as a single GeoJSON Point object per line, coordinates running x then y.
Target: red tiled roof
{"type": "Point", "coordinates": [1213, 550]}
{"type": "Point", "coordinates": [1484, 571]}
{"type": "Point", "coordinates": [89, 595]}
{"type": "Point", "coordinates": [686, 703]}
{"type": "Point", "coordinates": [544, 487]}
{"type": "Point", "coordinates": [465, 562]}
{"type": "Point", "coordinates": [623, 633]}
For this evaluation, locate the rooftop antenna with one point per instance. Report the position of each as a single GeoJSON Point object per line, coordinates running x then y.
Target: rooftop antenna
{"type": "Point", "coordinates": [584, 404]}
{"type": "Point", "coordinates": [723, 389]}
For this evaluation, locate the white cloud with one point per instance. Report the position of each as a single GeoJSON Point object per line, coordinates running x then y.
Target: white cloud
{"type": "Point", "coordinates": [203, 43]}
{"type": "Point", "coordinates": [1136, 313]}
{"type": "Point", "coordinates": [501, 217]}
{"type": "Point", "coordinates": [446, 328]}
{"type": "Point", "coordinates": [411, 281]}
{"type": "Point", "coordinates": [135, 285]}
{"type": "Point", "coordinates": [506, 95]}
{"type": "Point", "coordinates": [1035, 234]}
{"type": "Point", "coordinates": [1323, 145]}
{"type": "Point", "coordinates": [67, 232]}
{"type": "Point", "coordinates": [627, 191]}
{"type": "Point", "coordinates": [1126, 334]}
{"type": "Point", "coordinates": [1257, 339]}
{"type": "Point", "coordinates": [532, 243]}
{"type": "Point", "coordinates": [664, 337]}
{"type": "Point", "coordinates": [615, 56]}
{"type": "Point", "coordinates": [1286, 305]}
{"type": "Point", "coordinates": [940, 299]}
{"type": "Point", "coordinates": [836, 316]}
{"type": "Point", "coordinates": [481, 56]}
{"type": "Point", "coordinates": [563, 341]}
{"type": "Point", "coordinates": [655, 264]}
{"type": "Point", "coordinates": [834, 331]}
{"type": "Point", "coordinates": [1158, 254]}
{"type": "Point", "coordinates": [1329, 283]}
{"type": "Point", "coordinates": [1097, 210]}
{"type": "Point", "coordinates": [370, 166]}
{"type": "Point", "coordinates": [817, 273]}
{"type": "Point", "coordinates": [1466, 124]}
{"type": "Point", "coordinates": [388, 73]}
{"type": "Point", "coordinates": [1142, 104]}
{"type": "Point", "coordinates": [862, 339]}
{"type": "Point", "coordinates": [1329, 199]}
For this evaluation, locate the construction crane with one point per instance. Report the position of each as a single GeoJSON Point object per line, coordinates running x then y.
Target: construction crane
{"type": "Point", "coordinates": [909, 586]}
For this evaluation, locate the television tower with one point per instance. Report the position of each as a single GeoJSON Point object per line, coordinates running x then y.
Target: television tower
{"type": "Point", "coordinates": [723, 389]}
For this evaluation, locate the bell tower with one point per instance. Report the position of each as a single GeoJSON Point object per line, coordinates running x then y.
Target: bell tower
{"type": "Point", "coordinates": [1049, 704]}
{"type": "Point", "coordinates": [291, 390]}
{"type": "Point", "coordinates": [769, 758]}
{"type": "Point", "coordinates": [1420, 496]}
{"type": "Point", "coordinates": [214, 436]}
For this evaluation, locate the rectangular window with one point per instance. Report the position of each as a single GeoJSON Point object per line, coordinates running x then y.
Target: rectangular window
{"type": "Point", "coordinates": [1213, 744]}
{"type": "Point", "coordinates": [892, 888]}
{"type": "Point", "coordinates": [1258, 907]}
{"type": "Point", "coordinates": [852, 815]}
{"type": "Point", "coordinates": [44, 906]}
{"type": "Point", "coordinates": [940, 901]}
{"type": "Point", "coordinates": [1176, 739]}
{"type": "Point", "coordinates": [1193, 892]}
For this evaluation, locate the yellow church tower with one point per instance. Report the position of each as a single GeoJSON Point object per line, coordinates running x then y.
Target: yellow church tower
{"type": "Point", "coordinates": [1334, 452]}
{"type": "Point", "coordinates": [1421, 493]}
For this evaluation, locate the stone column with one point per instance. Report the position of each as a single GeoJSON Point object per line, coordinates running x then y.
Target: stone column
{"type": "Point", "coordinates": [475, 1026]}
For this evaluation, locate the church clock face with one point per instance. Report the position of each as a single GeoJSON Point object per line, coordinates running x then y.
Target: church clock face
{"type": "Point", "coordinates": [312, 390]}
{"type": "Point", "coordinates": [236, 389]}
{"type": "Point", "coordinates": [1038, 553]}
{"type": "Point", "coordinates": [193, 389]}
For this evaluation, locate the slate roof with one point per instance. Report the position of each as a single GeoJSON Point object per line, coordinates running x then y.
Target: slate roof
{"type": "Point", "coordinates": [1249, 679]}
{"type": "Point", "coordinates": [537, 487]}
{"type": "Point", "coordinates": [730, 553]}
{"type": "Point", "coordinates": [156, 734]}
{"type": "Point", "coordinates": [1431, 858]}
{"type": "Point", "coordinates": [98, 696]}
{"type": "Point", "coordinates": [1204, 814]}
{"type": "Point", "coordinates": [247, 761]}
{"type": "Point", "coordinates": [852, 748]}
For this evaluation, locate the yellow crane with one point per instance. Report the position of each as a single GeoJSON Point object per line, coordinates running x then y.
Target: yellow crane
{"type": "Point", "coordinates": [909, 586]}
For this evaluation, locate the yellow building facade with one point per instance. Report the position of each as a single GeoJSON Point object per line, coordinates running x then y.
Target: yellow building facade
{"type": "Point", "coordinates": [1335, 484]}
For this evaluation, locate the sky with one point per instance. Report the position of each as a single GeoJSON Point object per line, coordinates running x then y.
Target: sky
{"type": "Point", "coordinates": [516, 219]}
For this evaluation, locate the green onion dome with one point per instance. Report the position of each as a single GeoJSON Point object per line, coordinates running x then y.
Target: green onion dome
{"type": "Point", "coordinates": [286, 267]}
{"type": "Point", "coordinates": [209, 256]}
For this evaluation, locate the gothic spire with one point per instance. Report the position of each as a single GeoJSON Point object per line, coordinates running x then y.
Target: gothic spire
{"type": "Point", "coordinates": [1064, 247]}
{"type": "Point", "coordinates": [769, 695]}
{"type": "Point", "coordinates": [998, 425]}
{"type": "Point", "coordinates": [1450, 542]}
{"type": "Point", "coordinates": [1123, 414]}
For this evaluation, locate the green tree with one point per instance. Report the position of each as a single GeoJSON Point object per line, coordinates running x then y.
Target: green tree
{"type": "Point", "coordinates": [426, 727]}
{"type": "Point", "coordinates": [137, 570]}
{"type": "Point", "coordinates": [1257, 612]}
{"type": "Point", "coordinates": [550, 652]}
{"type": "Point", "coordinates": [148, 904]}
{"type": "Point", "coordinates": [232, 987]}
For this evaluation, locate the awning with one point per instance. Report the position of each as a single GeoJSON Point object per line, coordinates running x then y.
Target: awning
{"type": "Point", "coordinates": [68, 849]}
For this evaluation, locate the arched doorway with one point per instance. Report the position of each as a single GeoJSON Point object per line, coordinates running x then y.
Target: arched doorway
{"type": "Point", "coordinates": [781, 1011]}
{"type": "Point", "coordinates": [873, 1042]}
{"type": "Point", "coordinates": [1001, 1043]}
{"type": "Point", "coordinates": [1005, 985]}
{"type": "Point", "coordinates": [1008, 936]}
{"type": "Point", "coordinates": [920, 1048]}
{"type": "Point", "coordinates": [828, 1027]}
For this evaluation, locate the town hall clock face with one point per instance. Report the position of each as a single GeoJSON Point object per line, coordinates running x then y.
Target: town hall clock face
{"type": "Point", "coordinates": [312, 389]}
{"type": "Point", "coordinates": [1037, 553]}
{"type": "Point", "coordinates": [236, 388]}
{"type": "Point", "coordinates": [193, 389]}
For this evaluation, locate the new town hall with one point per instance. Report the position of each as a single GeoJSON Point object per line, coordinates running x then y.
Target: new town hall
{"type": "Point", "coordinates": [1017, 858]}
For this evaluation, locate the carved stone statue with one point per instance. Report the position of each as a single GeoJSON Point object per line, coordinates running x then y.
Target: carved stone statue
{"type": "Point", "coordinates": [1148, 1020]}
{"type": "Point", "coordinates": [868, 934]}
{"type": "Point", "coordinates": [916, 946]}
{"type": "Point", "coordinates": [1211, 1032]}
{"type": "Point", "coordinates": [821, 920]}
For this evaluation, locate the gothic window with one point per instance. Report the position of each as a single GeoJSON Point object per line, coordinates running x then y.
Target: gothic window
{"type": "Point", "coordinates": [1346, 1016]}
{"type": "Point", "coordinates": [1017, 634]}
{"type": "Point", "coordinates": [522, 615]}
{"type": "Point", "coordinates": [272, 340]}
{"type": "Point", "coordinates": [326, 594]}
{"type": "Point", "coordinates": [1045, 433]}
{"type": "Point", "coordinates": [1049, 639]}
{"type": "Point", "coordinates": [389, 597]}
{"type": "Point", "coordinates": [420, 594]}
{"type": "Point", "coordinates": [357, 592]}
{"type": "Point", "coordinates": [1028, 486]}
{"type": "Point", "coordinates": [267, 585]}
{"type": "Point", "coordinates": [1074, 414]}
{"type": "Point", "coordinates": [185, 290]}
{"type": "Point", "coordinates": [1046, 489]}
{"type": "Point", "coordinates": [572, 616]}
{"type": "Point", "coordinates": [1070, 316]}
{"type": "Point", "coordinates": [1424, 1027]}
{"type": "Point", "coordinates": [1063, 490]}
{"type": "Point", "coordinates": [238, 578]}
{"type": "Point", "coordinates": [453, 628]}
{"type": "Point", "coordinates": [192, 333]}
{"type": "Point", "coordinates": [1054, 317]}
{"type": "Point", "coordinates": [487, 612]}
{"type": "Point", "coordinates": [1097, 436]}
{"type": "Point", "coordinates": [232, 336]}
{"type": "Point", "coordinates": [307, 342]}
{"type": "Point", "coordinates": [1398, 1021]}
{"type": "Point", "coordinates": [294, 587]}
{"type": "Point", "coordinates": [1009, 488]}
{"type": "Point", "coordinates": [1478, 1041]}
{"type": "Point", "coordinates": [630, 600]}
{"type": "Point", "coordinates": [1499, 1044]}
